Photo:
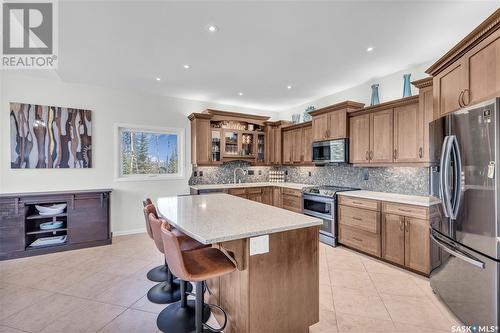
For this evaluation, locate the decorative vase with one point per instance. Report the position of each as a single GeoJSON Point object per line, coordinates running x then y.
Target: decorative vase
{"type": "Point", "coordinates": [375, 99]}
{"type": "Point", "coordinates": [406, 85]}
{"type": "Point", "coordinates": [306, 116]}
{"type": "Point", "coordinates": [296, 118]}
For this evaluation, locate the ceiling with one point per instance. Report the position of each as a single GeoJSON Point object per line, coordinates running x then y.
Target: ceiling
{"type": "Point", "coordinates": [260, 47]}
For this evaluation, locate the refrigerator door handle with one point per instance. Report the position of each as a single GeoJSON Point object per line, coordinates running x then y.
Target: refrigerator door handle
{"type": "Point", "coordinates": [457, 189]}
{"type": "Point", "coordinates": [459, 254]}
{"type": "Point", "coordinates": [443, 176]}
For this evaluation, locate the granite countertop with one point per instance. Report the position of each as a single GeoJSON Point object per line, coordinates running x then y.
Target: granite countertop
{"type": "Point", "coordinates": [219, 217]}
{"type": "Point", "coordinates": [425, 201]}
{"type": "Point", "coordinates": [295, 186]}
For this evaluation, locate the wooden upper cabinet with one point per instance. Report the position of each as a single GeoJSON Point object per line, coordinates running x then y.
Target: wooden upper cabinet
{"type": "Point", "coordinates": [470, 72]}
{"type": "Point", "coordinates": [482, 68]}
{"type": "Point", "coordinates": [426, 109]}
{"type": "Point", "coordinates": [307, 144]}
{"type": "Point", "coordinates": [408, 133]}
{"type": "Point", "coordinates": [330, 123]}
{"type": "Point", "coordinates": [287, 147]}
{"type": "Point", "coordinates": [417, 244]}
{"type": "Point", "coordinates": [320, 126]}
{"type": "Point", "coordinates": [297, 145]}
{"type": "Point", "coordinates": [200, 141]}
{"type": "Point", "coordinates": [448, 88]}
{"type": "Point", "coordinates": [359, 141]}
{"type": "Point", "coordinates": [381, 136]}
{"type": "Point", "coordinates": [393, 238]}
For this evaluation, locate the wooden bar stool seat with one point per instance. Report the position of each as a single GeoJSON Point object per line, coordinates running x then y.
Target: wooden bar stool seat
{"type": "Point", "coordinates": [195, 266]}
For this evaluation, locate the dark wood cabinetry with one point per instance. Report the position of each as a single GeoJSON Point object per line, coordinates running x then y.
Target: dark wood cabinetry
{"type": "Point", "coordinates": [85, 222]}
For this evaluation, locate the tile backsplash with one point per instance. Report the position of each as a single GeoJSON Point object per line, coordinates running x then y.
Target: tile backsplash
{"type": "Point", "coordinates": [403, 180]}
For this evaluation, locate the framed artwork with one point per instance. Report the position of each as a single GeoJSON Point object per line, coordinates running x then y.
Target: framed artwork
{"type": "Point", "coordinates": [48, 137]}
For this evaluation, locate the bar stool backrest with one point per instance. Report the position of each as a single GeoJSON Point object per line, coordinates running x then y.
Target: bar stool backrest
{"type": "Point", "coordinates": [155, 225]}
{"type": "Point", "coordinates": [173, 253]}
{"type": "Point", "coordinates": [147, 202]}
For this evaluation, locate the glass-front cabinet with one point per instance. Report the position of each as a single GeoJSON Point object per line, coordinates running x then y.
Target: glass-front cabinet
{"type": "Point", "coordinates": [231, 143]}
{"type": "Point", "coordinates": [247, 144]}
{"type": "Point", "coordinates": [261, 147]}
{"type": "Point", "coordinates": [215, 145]}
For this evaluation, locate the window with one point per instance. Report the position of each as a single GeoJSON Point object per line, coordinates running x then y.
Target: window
{"type": "Point", "coordinates": [149, 153]}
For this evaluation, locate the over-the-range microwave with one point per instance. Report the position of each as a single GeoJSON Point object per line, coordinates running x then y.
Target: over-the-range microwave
{"type": "Point", "coordinates": [332, 151]}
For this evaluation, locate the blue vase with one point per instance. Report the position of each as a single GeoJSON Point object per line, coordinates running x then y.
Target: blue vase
{"type": "Point", "coordinates": [406, 85]}
{"type": "Point", "coordinates": [375, 99]}
{"type": "Point", "coordinates": [306, 116]}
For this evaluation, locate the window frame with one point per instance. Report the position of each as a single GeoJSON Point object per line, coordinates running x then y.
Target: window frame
{"type": "Point", "coordinates": [180, 132]}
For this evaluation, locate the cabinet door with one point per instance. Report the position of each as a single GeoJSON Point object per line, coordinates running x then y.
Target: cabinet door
{"type": "Point", "coordinates": [320, 126]}
{"type": "Point", "coordinates": [11, 226]}
{"type": "Point", "coordinates": [88, 219]}
{"type": "Point", "coordinates": [255, 197]}
{"type": "Point", "coordinates": [287, 147]}
{"type": "Point", "coordinates": [482, 66]}
{"type": "Point", "coordinates": [307, 145]}
{"type": "Point", "coordinates": [269, 152]}
{"type": "Point", "coordinates": [297, 146]}
{"type": "Point", "coordinates": [337, 124]}
{"type": "Point", "coordinates": [359, 142]}
{"type": "Point", "coordinates": [239, 192]}
{"type": "Point", "coordinates": [448, 86]}
{"type": "Point", "coordinates": [425, 104]}
{"type": "Point", "coordinates": [200, 141]}
{"type": "Point", "coordinates": [231, 143]}
{"type": "Point", "coordinates": [408, 134]}
{"type": "Point", "coordinates": [277, 197]}
{"type": "Point", "coordinates": [417, 244]}
{"type": "Point", "coordinates": [277, 145]}
{"type": "Point", "coordinates": [393, 238]}
{"type": "Point", "coordinates": [267, 195]}
{"type": "Point", "coordinates": [215, 145]}
{"type": "Point", "coordinates": [381, 136]}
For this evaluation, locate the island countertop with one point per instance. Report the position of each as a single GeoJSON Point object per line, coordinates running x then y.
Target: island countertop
{"type": "Point", "coordinates": [220, 217]}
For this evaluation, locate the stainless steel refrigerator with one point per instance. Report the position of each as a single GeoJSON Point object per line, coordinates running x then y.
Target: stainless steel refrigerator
{"type": "Point", "coordinates": [465, 227]}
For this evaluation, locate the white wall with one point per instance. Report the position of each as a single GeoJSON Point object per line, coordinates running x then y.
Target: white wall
{"type": "Point", "coordinates": [109, 107]}
{"type": "Point", "coordinates": [391, 87]}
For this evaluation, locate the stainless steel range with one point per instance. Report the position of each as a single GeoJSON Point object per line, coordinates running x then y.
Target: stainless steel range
{"type": "Point", "coordinates": [321, 202]}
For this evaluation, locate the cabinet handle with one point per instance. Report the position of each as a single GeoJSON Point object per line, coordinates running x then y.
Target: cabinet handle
{"type": "Point", "coordinates": [420, 152]}
{"type": "Point", "coordinates": [358, 239]}
{"type": "Point", "coordinates": [371, 154]}
{"type": "Point", "coordinates": [407, 226]}
{"type": "Point", "coordinates": [401, 224]}
{"type": "Point", "coordinates": [367, 155]}
{"type": "Point", "coordinates": [460, 96]}
{"type": "Point", "coordinates": [395, 154]}
{"type": "Point", "coordinates": [404, 210]}
{"type": "Point", "coordinates": [468, 97]}
{"type": "Point", "coordinates": [357, 218]}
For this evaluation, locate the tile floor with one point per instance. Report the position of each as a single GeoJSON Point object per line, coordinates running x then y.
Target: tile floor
{"type": "Point", "coordinates": [103, 290]}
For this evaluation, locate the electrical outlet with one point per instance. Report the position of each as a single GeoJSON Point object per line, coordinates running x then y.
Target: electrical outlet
{"type": "Point", "coordinates": [286, 172]}
{"type": "Point", "coordinates": [310, 173]}
{"type": "Point", "coordinates": [250, 172]}
{"type": "Point", "coordinates": [201, 173]}
{"type": "Point", "coordinates": [195, 173]}
{"type": "Point", "coordinates": [366, 175]}
{"type": "Point", "coordinates": [260, 172]}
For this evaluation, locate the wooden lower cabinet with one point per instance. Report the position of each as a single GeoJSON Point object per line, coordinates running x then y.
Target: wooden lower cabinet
{"type": "Point", "coordinates": [406, 242]}
{"type": "Point", "coordinates": [267, 195]}
{"type": "Point", "coordinates": [291, 200]}
{"type": "Point", "coordinates": [239, 192]}
{"type": "Point", "coordinates": [277, 202]}
{"type": "Point", "coordinates": [359, 239]}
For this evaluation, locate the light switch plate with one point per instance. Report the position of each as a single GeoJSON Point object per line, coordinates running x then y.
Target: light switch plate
{"type": "Point", "coordinates": [259, 245]}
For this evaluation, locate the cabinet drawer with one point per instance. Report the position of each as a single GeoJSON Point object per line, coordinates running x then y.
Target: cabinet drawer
{"type": "Point", "coordinates": [254, 190]}
{"type": "Point", "coordinates": [237, 191]}
{"type": "Point", "coordinates": [360, 240]}
{"type": "Point", "coordinates": [292, 192]}
{"type": "Point", "coordinates": [359, 202]}
{"type": "Point", "coordinates": [363, 219]}
{"type": "Point", "coordinates": [405, 210]}
{"type": "Point", "coordinates": [292, 203]}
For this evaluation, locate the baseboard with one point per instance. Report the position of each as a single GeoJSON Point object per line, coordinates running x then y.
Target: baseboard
{"type": "Point", "coordinates": [129, 232]}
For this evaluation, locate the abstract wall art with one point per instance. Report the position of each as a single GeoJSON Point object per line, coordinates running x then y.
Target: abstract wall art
{"type": "Point", "coordinates": [49, 137]}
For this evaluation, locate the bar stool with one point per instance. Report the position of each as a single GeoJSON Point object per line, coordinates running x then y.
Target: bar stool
{"type": "Point", "coordinates": [159, 273]}
{"type": "Point", "coordinates": [168, 291]}
{"type": "Point", "coordinates": [194, 266]}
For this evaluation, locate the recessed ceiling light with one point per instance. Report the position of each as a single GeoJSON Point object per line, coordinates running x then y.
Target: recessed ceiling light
{"type": "Point", "coordinates": [240, 93]}
{"type": "Point", "coordinates": [288, 87]}
{"type": "Point", "coordinates": [212, 28]}
{"type": "Point", "coordinates": [369, 48]}
{"type": "Point", "coordinates": [158, 79]}
{"type": "Point", "coordinates": [187, 66]}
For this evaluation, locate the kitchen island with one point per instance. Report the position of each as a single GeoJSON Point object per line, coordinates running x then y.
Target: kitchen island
{"type": "Point", "coordinates": [276, 285]}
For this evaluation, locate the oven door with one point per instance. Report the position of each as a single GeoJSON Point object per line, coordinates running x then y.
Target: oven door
{"type": "Point", "coordinates": [323, 208]}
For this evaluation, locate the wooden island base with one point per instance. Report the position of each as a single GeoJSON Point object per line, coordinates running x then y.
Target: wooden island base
{"type": "Point", "coordinates": [272, 292]}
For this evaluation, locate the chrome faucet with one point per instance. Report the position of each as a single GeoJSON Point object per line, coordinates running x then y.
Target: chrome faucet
{"type": "Point", "coordinates": [234, 174]}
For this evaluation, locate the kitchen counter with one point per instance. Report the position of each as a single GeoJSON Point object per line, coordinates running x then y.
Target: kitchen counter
{"type": "Point", "coordinates": [424, 201]}
{"type": "Point", "coordinates": [276, 254]}
{"type": "Point", "coordinates": [294, 186]}
{"type": "Point", "coordinates": [222, 217]}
